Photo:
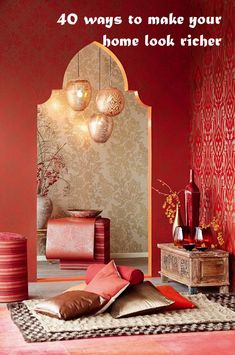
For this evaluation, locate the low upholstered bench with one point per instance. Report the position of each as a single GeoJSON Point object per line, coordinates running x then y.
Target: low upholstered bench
{"type": "Point", "coordinates": [70, 242]}
{"type": "Point", "coordinates": [13, 267]}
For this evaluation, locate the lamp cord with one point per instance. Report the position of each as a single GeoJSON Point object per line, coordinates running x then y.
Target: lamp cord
{"type": "Point", "coordinates": [78, 66]}
{"type": "Point", "coordinates": [99, 67]}
{"type": "Point", "coordinates": [110, 71]}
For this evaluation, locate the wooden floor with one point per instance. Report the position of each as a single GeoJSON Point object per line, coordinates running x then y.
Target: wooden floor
{"type": "Point", "coordinates": [52, 269]}
{"type": "Point", "coordinates": [49, 289]}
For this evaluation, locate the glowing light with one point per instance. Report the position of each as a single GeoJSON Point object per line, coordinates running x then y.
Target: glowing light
{"type": "Point", "coordinates": [110, 101]}
{"type": "Point", "coordinates": [100, 127]}
{"type": "Point", "coordinates": [78, 93]}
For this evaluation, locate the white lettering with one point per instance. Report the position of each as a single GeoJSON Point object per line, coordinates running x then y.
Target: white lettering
{"type": "Point", "coordinates": [134, 20]}
{"type": "Point", "coordinates": [209, 20]}
{"type": "Point", "coordinates": [122, 42]}
{"type": "Point", "coordinates": [90, 20]}
{"type": "Point", "coordinates": [106, 21]}
{"type": "Point", "coordinates": [71, 19]}
{"type": "Point", "coordinates": [170, 20]}
{"type": "Point", "coordinates": [168, 41]}
{"type": "Point", "coordinates": [201, 41]}
{"type": "Point", "coordinates": [117, 20]}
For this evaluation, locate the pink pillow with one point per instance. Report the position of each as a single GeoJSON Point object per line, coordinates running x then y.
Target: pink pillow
{"type": "Point", "coordinates": [134, 276]}
{"type": "Point", "coordinates": [108, 284]}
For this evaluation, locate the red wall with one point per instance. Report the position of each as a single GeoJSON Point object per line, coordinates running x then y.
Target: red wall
{"type": "Point", "coordinates": [213, 111]}
{"type": "Point", "coordinates": [35, 51]}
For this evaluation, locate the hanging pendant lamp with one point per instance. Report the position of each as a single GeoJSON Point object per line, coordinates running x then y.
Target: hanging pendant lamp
{"type": "Point", "coordinates": [78, 93]}
{"type": "Point", "coordinates": [100, 127]}
{"type": "Point", "coordinates": [110, 101]}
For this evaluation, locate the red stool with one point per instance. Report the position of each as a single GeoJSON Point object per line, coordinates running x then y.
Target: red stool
{"type": "Point", "coordinates": [13, 267]}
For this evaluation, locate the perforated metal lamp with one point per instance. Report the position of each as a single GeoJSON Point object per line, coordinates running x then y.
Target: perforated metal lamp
{"type": "Point", "coordinates": [109, 101]}
{"type": "Point", "coordinates": [100, 127]}
{"type": "Point", "coordinates": [78, 93]}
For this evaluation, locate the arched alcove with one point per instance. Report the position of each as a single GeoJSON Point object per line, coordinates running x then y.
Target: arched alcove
{"type": "Point", "coordinates": [114, 176]}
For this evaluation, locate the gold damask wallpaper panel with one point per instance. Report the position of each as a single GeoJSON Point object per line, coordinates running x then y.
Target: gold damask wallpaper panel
{"type": "Point", "coordinates": [112, 176]}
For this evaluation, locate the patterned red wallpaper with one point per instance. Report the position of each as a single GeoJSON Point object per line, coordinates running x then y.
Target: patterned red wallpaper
{"type": "Point", "coordinates": [212, 130]}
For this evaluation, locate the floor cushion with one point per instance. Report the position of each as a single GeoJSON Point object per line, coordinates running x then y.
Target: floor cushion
{"type": "Point", "coordinates": [180, 302]}
{"type": "Point", "coordinates": [131, 274]}
{"type": "Point", "coordinates": [71, 304]}
{"type": "Point", "coordinates": [139, 300]}
{"type": "Point", "coordinates": [108, 284]}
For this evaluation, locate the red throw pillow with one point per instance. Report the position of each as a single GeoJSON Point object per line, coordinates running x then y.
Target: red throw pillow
{"type": "Point", "coordinates": [108, 284]}
{"type": "Point", "coordinates": [131, 274]}
{"type": "Point", "coordinates": [180, 301]}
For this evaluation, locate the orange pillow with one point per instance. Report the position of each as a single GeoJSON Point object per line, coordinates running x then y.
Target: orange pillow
{"type": "Point", "coordinates": [180, 301]}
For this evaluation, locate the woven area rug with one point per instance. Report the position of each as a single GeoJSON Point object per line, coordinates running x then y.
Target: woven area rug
{"type": "Point", "coordinates": [33, 329]}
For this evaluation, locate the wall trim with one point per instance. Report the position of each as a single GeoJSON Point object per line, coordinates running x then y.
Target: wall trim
{"type": "Point", "coordinates": [129, 255]}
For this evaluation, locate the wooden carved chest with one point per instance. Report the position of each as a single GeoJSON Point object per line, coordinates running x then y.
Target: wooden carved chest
{"type": "Point", "coordinates": [195, 268]}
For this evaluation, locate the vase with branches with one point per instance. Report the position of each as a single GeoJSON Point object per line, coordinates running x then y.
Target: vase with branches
{"type": "Point", "coordinates": [51, 165]}
{"type": "Point", "coordinates": [172, 199]}
{"type": "Point", "coordinates": [50, 169]}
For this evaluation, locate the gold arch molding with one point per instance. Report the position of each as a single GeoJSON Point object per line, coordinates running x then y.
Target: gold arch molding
{"type": "Point", "coordinates": [53, 103]}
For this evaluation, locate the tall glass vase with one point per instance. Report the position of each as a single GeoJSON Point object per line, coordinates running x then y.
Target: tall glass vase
{"type": "Point", "coordinates": [177, 220]}
{"type": "Point", "coordinates": [192, 203]}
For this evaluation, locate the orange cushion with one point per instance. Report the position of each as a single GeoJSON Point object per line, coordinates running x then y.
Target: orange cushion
{"type": "Point", "coordinates": [180, 301]}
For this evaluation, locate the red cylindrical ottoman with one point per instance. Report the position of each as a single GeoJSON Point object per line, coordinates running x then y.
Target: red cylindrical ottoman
{"type": "Point", "coordinates": [13, 267]}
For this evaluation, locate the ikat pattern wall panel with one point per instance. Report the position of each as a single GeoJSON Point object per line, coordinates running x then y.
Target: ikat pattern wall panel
{"type": "Point", "coordinates": [112, 176]}
{"type": "Point", "coordinates": [212, 134]}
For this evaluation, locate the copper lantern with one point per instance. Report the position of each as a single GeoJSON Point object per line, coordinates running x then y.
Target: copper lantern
{"type": "Point", "coordinates": [78, 94]}
{"type": "Point", "coordinates": [100, 127]}
{"type": "Point", "coordinates": [110, 101]}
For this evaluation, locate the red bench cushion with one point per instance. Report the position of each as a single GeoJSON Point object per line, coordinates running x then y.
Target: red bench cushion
{"type": "Point", "coordinates": [131, 274]}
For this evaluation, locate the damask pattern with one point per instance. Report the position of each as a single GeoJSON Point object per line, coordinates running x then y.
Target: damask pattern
{"type": "Point", "coordinates": [112, 176]}
{"type": "Point", "coordinates": [212, 131]}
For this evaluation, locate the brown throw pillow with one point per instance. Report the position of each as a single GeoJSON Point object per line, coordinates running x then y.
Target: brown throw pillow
{"type": "Point", "coordinates": [139, 300]}
{"type": "Point", "coordinates": [71, 304]}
